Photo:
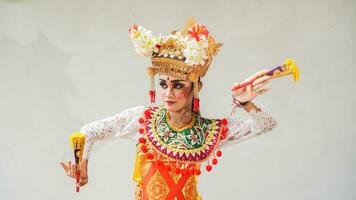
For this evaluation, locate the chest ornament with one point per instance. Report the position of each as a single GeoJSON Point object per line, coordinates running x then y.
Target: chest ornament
{"type": "Point", "coordinates": [191, 145]}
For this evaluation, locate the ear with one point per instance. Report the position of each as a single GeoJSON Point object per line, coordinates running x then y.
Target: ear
{"type": "Point", "coordinates": [200, 85]}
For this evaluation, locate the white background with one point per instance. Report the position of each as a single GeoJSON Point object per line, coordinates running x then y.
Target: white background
{"type": "Point", "coordinates": [64, 63]}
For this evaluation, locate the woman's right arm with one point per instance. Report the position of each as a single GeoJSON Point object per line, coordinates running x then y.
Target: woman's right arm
{"type": "Point", "coordinates": [122, 125]}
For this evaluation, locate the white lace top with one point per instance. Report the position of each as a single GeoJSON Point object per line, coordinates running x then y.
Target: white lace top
{"type": "Point", "coordinates": [125, 125]}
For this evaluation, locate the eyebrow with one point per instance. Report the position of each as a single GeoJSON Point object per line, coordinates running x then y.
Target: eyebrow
{"type": "Point", "coordinates": [174, 81]}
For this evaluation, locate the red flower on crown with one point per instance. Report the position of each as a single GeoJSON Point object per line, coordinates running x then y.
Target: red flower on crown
{"type": "Point", "coordinates": [134, 27]}
{"type": "Point", "coordinates": [197, 30]}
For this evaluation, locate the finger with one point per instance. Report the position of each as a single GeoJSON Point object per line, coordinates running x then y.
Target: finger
{"type": "Point", "coordinates": [70, 170]}
{"type": "Point", "coordinates": [262, 71]}
{"type": "Point", "coordinates": [258, 91]}
{"type": "Point", "coordinates": [63, 165]}
{"type": "Point", "coordinates": [84, 166]}
{"type": "Point", "coordinates": [248, 89]}
{"type": "Point", "coordinates": [260, 86]}
{"type": "Point", "coordinates": [73, 169]}
{"type": "Point", "coordinates": [259, 73]}
{"type": "Point", "coordinates": [238, 91]}
{"type": "Point", "coordinates": [236, 84]}
{"type": "Point", "coordinates": [83, 181]}
{"type": "Point", "coordinates": [263, 91]}
{"type": "Point", "coordinates": [261, 80]}
{"type": "Point", "coordinates": [69, 163]}
{"type": "Point", "coordinates": [83, 174]}
{"type": "Point", "coordinates": [83, 178]}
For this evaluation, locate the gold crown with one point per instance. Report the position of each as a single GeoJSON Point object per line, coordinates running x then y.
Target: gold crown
{"type": "Point", "coordinates": [185, 53]}
{"type": "Point", "coordinates": [171, 61]}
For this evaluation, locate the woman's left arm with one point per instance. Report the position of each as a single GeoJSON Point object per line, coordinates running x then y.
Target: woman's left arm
{"type": "Point", "coordinates": [258, 122]}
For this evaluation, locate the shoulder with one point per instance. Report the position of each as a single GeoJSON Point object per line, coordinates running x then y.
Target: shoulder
{"type": "Point", "coordinates": [132, 111]}
{"type": "Point", "coordinates": [209, 120]}
{"type": "Point", "coordinates": [215, 125]}
{"type": "Point", "coordinates": [210, 125]}
{"type": "Point", "coordinates": [135, 108]}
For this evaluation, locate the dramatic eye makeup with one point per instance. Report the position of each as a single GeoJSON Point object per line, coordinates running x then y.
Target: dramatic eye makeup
{"type": "Point", "coordinates": [176, 84]}
{"type": "Point", "coordinates": [163, 84]}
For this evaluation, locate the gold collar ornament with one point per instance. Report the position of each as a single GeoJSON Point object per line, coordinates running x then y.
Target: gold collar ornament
{"type": "Point", "coordinates": [185, 53]}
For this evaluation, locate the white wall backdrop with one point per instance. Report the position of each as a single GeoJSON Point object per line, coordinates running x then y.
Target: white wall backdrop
{"type": "Point", "coordinates": [65, 63]}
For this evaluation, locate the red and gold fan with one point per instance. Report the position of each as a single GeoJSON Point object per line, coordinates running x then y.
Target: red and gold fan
{"type": "Point", "coordinates": [287, 68]}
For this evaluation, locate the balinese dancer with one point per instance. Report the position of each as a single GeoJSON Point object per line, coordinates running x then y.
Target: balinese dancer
{"type": "Point", "coordinates": [174, 143]}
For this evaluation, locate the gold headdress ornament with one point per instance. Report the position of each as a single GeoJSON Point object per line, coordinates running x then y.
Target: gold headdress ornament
{"type": "Point", "coordinates": [185, 53]}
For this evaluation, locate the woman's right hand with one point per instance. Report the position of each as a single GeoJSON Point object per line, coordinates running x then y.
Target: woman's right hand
{"type": "Point", "coordinates": [70, 170]}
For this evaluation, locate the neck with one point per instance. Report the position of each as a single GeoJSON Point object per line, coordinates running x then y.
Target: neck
{"type": "Point", "coordinates": [181, 118]}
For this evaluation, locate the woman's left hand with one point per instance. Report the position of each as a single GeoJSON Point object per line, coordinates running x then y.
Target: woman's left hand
{"type": "Point", "coordinates": [251, 91]}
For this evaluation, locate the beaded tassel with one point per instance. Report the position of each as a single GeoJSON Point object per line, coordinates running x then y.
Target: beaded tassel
{"type": "Point", "coordinates": [218, 153]}
{"type": "Point", "coordinates": [197, 171]}
{"type": "Point", "coordinates": [208, 167]}
{"type": "Point", "coordinates": [196, 102]}
{"type": "Point", "coordinates": [177, 168]}
{"type": "Point", "coordinates": [152, 93]}
{"type": "Point", "coordinates": [142, 140]}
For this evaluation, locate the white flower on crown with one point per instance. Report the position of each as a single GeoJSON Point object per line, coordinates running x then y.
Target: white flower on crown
{"type": "Point", "coordinates": [195, 45]}
{"type": "Point", "coordinates": [195, 51]}
{"type": "Point", "coordinates": [178, 37]}
{"type": "Point", "coordinates": [143, 40]}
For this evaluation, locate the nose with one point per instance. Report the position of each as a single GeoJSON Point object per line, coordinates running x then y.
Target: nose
{"type": "Point", "coordinates": [169, 92]}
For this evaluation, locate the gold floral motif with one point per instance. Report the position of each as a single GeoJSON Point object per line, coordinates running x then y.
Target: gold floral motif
{"type": "Point", "coordinates": [190, 189]}
{"type": "Point", "coordinates": [157, 188]}
{"type": "Point", "coordinates": [138, 193]}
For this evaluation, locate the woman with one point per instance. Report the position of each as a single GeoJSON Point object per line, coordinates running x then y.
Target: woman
{"type": "Point", "coordinates": [173, 139]}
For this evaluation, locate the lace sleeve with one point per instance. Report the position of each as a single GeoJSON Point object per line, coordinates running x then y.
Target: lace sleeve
{"type": "Point", "coordinates": [259, 122]}
{"type": "Point", "coordinates": [122, 125]}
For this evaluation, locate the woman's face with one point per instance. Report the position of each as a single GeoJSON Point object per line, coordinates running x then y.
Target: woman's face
{"type": "Point", "coordinates": [176, 93]}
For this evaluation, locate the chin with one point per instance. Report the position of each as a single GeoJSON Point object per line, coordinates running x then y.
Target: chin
{"type": "Point", "coordinates": [171, 108]}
